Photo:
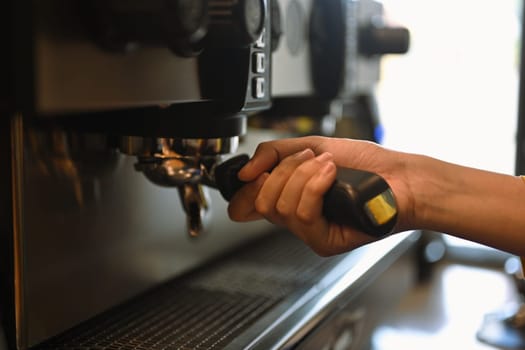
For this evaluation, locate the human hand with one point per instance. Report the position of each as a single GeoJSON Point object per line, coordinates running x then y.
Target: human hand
{"type": "Point", "coordinates": [302, 170]}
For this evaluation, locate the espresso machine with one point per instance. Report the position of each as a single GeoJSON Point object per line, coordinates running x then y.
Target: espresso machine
{"type": "Point", "coordinates": [115, 117]}
{"type": "Point", "coordinates": [340, 45]}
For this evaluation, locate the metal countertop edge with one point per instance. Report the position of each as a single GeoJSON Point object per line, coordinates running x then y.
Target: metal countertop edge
{"type": "Point", "coordinates": [287, 323]}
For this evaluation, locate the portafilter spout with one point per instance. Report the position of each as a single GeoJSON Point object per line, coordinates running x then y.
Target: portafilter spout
{"type": "Point", "coordinates": [183, 163]}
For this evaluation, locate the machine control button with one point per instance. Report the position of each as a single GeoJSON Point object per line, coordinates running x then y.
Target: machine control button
{"type": "Point", "coordinates": [258, 62]}
{"type": "Point", "coordinates": [261, 42]}
{"type": "Point", "coordinates": [258, 87]}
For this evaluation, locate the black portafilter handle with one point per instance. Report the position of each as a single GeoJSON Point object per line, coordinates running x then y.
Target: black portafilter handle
{"type": "Point", "coordinates": [357, 199]}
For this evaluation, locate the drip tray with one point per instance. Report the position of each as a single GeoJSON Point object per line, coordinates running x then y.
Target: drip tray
{"type": "Point", "coordinates": [208, 308]}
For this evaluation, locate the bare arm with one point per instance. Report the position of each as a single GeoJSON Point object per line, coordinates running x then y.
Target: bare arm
{"type": "Point", "coordinates": [477, 205]}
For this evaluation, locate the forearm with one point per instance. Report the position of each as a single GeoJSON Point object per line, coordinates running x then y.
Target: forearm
{"type": "Point", "coordinates": [477, 205]}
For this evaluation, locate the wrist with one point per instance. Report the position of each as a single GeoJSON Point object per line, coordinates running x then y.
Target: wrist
{"type": "Point", "coordinates": [427, 187]}
{"type": "Point", "coordinates": [407, 178]}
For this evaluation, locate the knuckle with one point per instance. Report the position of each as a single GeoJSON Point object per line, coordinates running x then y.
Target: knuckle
{"type": "Point", "coordinates": [283, 208]}
{"type": "Point", "coordinates": [263, 145]}
{"type": "Point", "coordinates": [262, 207]}
{"type": "Point", "coordinates": [302, 171]}
{"type": "Point", "coordinates": [312, 190]}
{"type": "Point", "coordinates": [281, 172]}
{"type": "Point", "coordinates": [305, 215]}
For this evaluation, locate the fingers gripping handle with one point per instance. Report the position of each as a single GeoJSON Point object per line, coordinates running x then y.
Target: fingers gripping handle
{"type": "Point", "coordinates": [357, 198]}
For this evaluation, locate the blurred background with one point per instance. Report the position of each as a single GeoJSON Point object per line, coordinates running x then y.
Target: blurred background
{"type": "Point", "coordinates": [454, 97]}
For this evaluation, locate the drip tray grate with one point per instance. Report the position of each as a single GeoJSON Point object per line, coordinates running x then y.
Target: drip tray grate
{"type": "Point", "coordinates": [207, 309]}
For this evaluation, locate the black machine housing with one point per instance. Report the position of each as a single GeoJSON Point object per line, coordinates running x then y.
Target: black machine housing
{"type": "Point", "coordinates": [161, 63]}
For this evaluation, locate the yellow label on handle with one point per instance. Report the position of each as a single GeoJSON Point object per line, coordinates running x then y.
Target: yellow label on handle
{"type": "Point", "coordinates": [381, 208]}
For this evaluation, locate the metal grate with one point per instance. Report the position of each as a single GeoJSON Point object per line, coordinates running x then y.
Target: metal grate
{"type": "Point", "coordinates": [207, 309]}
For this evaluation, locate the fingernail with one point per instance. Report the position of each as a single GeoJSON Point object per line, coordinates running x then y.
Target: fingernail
{"type": "Point", "coordinates": [305, 154]}
{"type": "Point", "coordinates": [326, 169]}
{"type": "Point", "coordinates": [325, 156]}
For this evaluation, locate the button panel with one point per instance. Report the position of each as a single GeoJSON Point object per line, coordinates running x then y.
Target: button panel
{"type": "Point", "coordinates": [258, 88]}
{"type": "Point", "coordinates": [259, 62]}
{"type": "Point", "coordinates": [259, 68]}
{"type": "Point", "coordinates": [261, 42]}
